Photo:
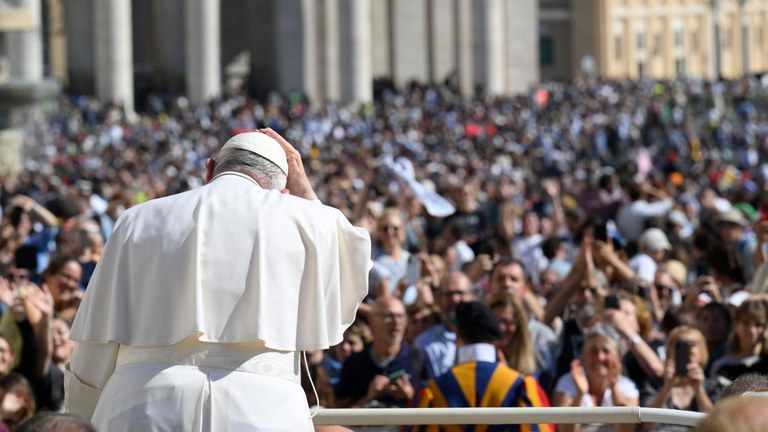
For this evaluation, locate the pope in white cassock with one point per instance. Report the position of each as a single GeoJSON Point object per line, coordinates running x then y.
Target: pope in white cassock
{"type": "Point", "coordinates": [202, 301]}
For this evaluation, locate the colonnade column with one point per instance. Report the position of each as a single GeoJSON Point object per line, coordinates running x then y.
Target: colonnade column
{"type": "Point", "coordinates": [465, 53]}
{"type": "Point", "coordinates": [410, 41]}
{"type": "Point", "coordinates": [745, 40]}
{"type": "Point", "coordinates": [356, 51]}
{"type": "Point", "coordinates": [114, 52]}
{"type": "Point", "coordinates": [716, 39]}
{"type": "Point", "coordinates": [25, 48]}
{"type": "Point", "coordinates": [493, 57]}
{"type": "Point", "coordinates": [442, 40]}
{"type": "Point", "coordinates": [203, 50]}
{"type": "Point", "coordinates": [521, 68]}
{"type": "Point", "coordinates": [330, 63]}
{"type": "Point", "coordinates": [312, 42]}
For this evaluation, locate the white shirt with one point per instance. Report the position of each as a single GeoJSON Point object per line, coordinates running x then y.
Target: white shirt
{"type": "Point", "coordinates": [644, 267]}
{"type": "Point", "coordinates": [627, 387]}
{"type": "Point", "coordinates": [630, 219]}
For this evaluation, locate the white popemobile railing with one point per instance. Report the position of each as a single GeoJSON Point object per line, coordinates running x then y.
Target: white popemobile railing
{"type": "Point", "coordinates": [559, 415]}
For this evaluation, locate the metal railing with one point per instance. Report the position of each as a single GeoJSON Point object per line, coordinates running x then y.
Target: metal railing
{"type": "Point", "coordinates": [558, 415]}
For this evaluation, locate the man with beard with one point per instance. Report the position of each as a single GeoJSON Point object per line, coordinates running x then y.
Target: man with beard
{"type": "Point", "coordinates": [386, 371]}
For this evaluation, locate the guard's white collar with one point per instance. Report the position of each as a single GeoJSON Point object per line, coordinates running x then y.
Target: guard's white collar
{"type": "Point", "coordinates": [483, 352]}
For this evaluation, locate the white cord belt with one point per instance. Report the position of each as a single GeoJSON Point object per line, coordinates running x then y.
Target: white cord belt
{"type": "Point", "coordinates": [246, 357]}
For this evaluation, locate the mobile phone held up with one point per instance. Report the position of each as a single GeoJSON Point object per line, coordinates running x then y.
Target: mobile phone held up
{"type": "Point", "coordinates": [600, 232]}
{"type": "Point", "coordinates": [611, 301]}
{"type": "Point", "coordinates": [682, 357]}
{"type": "Point", "coordinates": [395, 375]}
{"type": "Point", "coordinates": [413, 271]}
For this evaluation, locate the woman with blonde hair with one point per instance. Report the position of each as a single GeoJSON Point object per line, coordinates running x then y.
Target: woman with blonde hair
{"type": "Point", "coordinates": [685, 388]}
{"type": "Point", "coordinates": [516, 347]}
{"type": "Point", "coordinates": [390, 258]}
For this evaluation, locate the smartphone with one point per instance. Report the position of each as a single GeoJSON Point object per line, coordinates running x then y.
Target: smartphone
{"type": "Point", "coordinates": [682, 356]}
{"type": "Point", "coordinates": [701, 268]}
{"type": "Point", "coordinates": [395, 375]}
{"type": "Point", "coordinates": [611, 301]}
{"type": "Point", "coordinates": [413, 272]}
{"type": "Point", "coordinates": [600, 231]}
{"type": "Point", "coordinates": [26, 257]}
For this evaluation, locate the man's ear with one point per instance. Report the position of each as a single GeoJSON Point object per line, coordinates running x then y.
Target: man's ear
{"type": "Point", "coordinates": [210, 164]}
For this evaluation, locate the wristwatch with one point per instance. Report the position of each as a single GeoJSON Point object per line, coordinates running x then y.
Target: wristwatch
{"type": "Point", "coordinates": [635, 339]}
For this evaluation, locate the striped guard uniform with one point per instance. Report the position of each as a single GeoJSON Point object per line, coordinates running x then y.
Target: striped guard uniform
{"type": "Point", "coordinates": [482, 384]}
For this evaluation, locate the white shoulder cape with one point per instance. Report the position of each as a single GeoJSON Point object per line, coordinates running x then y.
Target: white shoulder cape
{"type": "Point", "coordinates": [229, 262]}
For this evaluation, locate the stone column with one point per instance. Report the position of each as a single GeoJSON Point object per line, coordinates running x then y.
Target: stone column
{"type": "Point", "coordinates": [203, 50]}
{"type": "Point", "coordinates": [464, 49]}
{"type": "Point", "coordinates": [522, 45]}
{"type": "Point", "coordinates": [356, 51]}
{"type": "Point", "coordinates": [57, 40]}
{"type": "Point", "coordinates": [381, 31]}
{"type": "Point", "coordinates": [114, 52]}
{"type": "Point", "coordinates": [745, 40]}
{"type": "Point", "coordinates": [331, 58]}
{"type": "Point", "coordinates": [313, 70]}
{"type": "Point", "coordinates": [716, 39]}
{"type": "Point", "coordinates": [409, 25]}
{"type": "Point", "coordinates": [442, 40]}
{"type": "Point", "coordinates": [25, 48]}
{"type": "Point", "coordinates": [493, 39]}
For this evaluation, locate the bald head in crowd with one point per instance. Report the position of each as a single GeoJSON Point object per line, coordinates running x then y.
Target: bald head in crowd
{"type": "Point", "coordinates": [737, 414]}
{"type": "Point", "coordinates": [455, 288]}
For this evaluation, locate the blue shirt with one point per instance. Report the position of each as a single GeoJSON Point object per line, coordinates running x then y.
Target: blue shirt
{"type": "Point", "coordinates": [439, 347]}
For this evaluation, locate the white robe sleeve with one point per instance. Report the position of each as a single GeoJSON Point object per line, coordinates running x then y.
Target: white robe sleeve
{"type": "Point", "coordinates": [88, 371]}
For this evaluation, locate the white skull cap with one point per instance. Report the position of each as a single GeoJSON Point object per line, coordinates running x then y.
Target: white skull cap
{"type": "Point", "coordinates": [261, 144]}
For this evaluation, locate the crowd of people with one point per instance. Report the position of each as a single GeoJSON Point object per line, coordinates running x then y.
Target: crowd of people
{"type": "Point", "coordinates": [616, 229]}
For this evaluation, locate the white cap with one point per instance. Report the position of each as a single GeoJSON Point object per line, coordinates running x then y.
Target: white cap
{"type": "Point", "coordinates": [261, 144]}
{"type": "Point", "coordinates": [653, 239]}
{"type": "Point", "coordinates": [737, 298]}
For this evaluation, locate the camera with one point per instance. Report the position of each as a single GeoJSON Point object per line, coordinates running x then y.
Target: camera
{"type": "Point", "coordinates": [600, 231]}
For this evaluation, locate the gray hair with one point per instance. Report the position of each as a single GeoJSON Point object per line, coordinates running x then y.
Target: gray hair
{"type": "Point", "coordinates": [267, 174]}
{"type": "Point", "coordinates": [606, 331]}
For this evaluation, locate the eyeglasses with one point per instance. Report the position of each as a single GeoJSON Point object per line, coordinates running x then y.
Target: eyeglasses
{"type": "Point", "coordinates": [69, 277]}
{"type": "Point", "coordinates": [665, 288]}
{"type": "Point", "coordinates": [453, 293]}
